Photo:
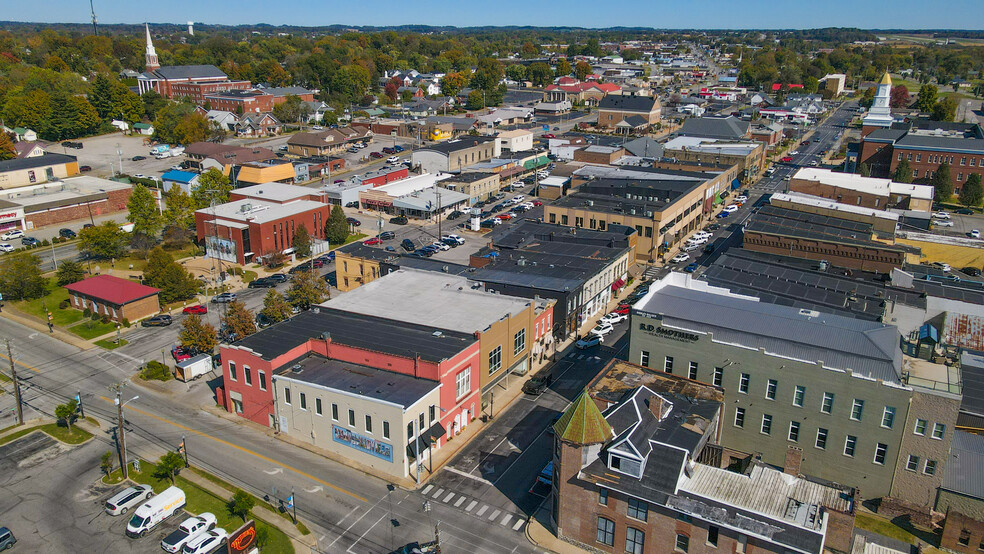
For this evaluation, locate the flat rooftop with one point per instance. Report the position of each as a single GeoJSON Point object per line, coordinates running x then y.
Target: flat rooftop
{"type": "Point", "coordinates": [773, 220]}
{"type": "Point", "coordinates": [249, 210]}
{"type": "Point", "coordinates": [628, 196]}
{"type": "Point", "coordinates": [354, 379]}
{"type": "Point", "coordinates": [410, 185]}
{"type": "Point", "coordinates": [867, 348]}
{"type": "Point", "coordinates": [712, 146]}
{"type": "Point", "coordinates": [867, 185]}
{"type": "Point", "coordinates": [817, 202]}
{"type": "Point", "coordinates": [378, 334]}
{"type": "Point", "coordinates": [429, 298]}
{"type": "Point", "coordinates": [275, 192]}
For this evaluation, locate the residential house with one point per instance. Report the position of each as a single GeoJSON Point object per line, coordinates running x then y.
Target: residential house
{"type": "Point", "coordinates": [258, 125]}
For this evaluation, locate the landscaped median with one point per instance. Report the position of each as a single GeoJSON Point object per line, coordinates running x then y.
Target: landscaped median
{"type": "Point", "coordinates": [210, 494]}
{"type": "Point", "coordinates": [53, 430]}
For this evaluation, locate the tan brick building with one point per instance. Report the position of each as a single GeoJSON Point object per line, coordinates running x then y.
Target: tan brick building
{"type": "Point", "coordinates": [869, 192]}
{"type": "Point", "coordinates": [597, 154]}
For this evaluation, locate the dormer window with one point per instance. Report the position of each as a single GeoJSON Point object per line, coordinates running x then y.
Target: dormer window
{"type": "Point", "coordinates": [615, 462]}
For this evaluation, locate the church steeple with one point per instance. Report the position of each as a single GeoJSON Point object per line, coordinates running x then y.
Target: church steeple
{"type": "Point", "coordinates": [880, 114]}
{"type": "Point", "coordinates": [151, 56]}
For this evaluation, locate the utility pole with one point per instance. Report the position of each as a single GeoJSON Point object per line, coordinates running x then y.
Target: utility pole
{"type": "Point", "coordinates": [17, 393]}
{"type": "Point", "coordinates": [120, 438]}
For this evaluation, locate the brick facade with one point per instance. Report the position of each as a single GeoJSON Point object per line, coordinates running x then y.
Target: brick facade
{"type": "Point", "coordinates": [197, 91]}
{"type": "Point", "coordinates": [265, 237]}
{"type": "Point", "coordinates": [604, 158]}
{"type": "Point", "coordinates": [867, 258]}
{"type": "Point", "coordinates": [114, 203]}
{"type": "Point", "coordinates": [132, 311]}
{"type": "Point", "coordinates": [962, 533]}
{"type": "Point", "coordinates": [916, 485]}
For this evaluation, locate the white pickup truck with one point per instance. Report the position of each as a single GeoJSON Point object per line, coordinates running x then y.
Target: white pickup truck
{"type": "Point", "coordinates": [187, 531]}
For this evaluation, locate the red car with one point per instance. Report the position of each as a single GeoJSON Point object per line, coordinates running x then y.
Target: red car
{"type": "Point", "coordinates": [549, 135]}
{"type": "Point", "coordinates": [372, 242]}
{"type": "Point", "coordinates": [787, 159]}
{"type": "Point", "coordinates": [623, 309]}
{"type": "Point", "coordinates": [199, 309]}
{"type": "Point", "coordinates": [317, 263]}
{"type": "Point", "coordinates": [375, 155]}
{"type": "Point", "coordinates": [537, 203]}
{"type": "Point", "coordinates": [505, 216]}
{"type": "Point", "coordinates": [180, 354]}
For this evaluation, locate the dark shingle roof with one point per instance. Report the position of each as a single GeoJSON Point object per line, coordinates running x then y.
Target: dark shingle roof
{"type": "Point", "coordinates": [715, 127]}
{"type": "Point", "coordinates": [622, 103]}
{"type": "Point", "coordinates": [190, 72]}
{"type": "Point", "coordinates": [37, 161]}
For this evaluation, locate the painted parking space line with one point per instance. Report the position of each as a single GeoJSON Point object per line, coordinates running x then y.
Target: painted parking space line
{"type": "Point", "coordinates": [495, 514]}
{"type": "Point", "coordinates": [471, 506]}
{"type": "Point", "coordinates": [427, 489]}
{"type": "Point", "coordinates": [519, 523]}
{"type": "Point", "coordinates": [448, 497]}
{"type": "Point", "coordinates": [505, 520]}
{"type": "Point", "coordinates": [460, 501]}
{"type": "Point", "coordinates": [482, 511]}
{"type": "Point", "coordinates": [438, 493]}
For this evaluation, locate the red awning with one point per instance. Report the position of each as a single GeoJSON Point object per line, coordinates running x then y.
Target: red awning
{"type": "Point", "coordinates": [619, 283]}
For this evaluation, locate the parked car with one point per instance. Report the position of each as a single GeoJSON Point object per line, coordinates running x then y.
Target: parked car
{"type": "Point", "coordinates": [353, 222]}
{"type": "Point", "coordinates": [455, 238]}
{"type": "Point", "coordinates": [681, 257]}
{"type": "Point", "coordinates": [398, 148]}
{"type": "Point", "coordinates": [11, 235]}
{"type": "Point", "coordinates": [455, 215]}
{"type": "Point", "coordinates": [127, 499]}
{"type": "Point", "coordinates": [588, 342]}
{"type": "Point", "coordinates": [376, 155]}
{"type": "Point", "coordinates": [713, 227]}
{"type": "Point", "coordinates": [85, 168]}
{"type": "Point", "coordinates": [941, 215]}
{"type": "Point", "coordinates": [741, 198]}
{"type": "Point", "coordinates": [387, 235]}
{"type": "Point", "coordinates": [730, 208]}
{"type": "Point", "coordinates": [690, 247]}
{"type": "Point", "coordinates": [262, 283]}
{"type": "Point", "coordinates": [318, 263]}
{"type": "Point", "coordinates": [441, 246]}
{"type": "Point", "coordinates": [278, 277]}
{"type": "Point", "coordinates": [408, 245]}
{"type": "Point", "coordinates": [7, 539]}
{"type": "Point", "coordinates": [538, 383]}
{"type": "Point", "coordinates": [206, 542]}
{"type": "Point", "coordinates": [786, 159]}
{"type": "Point", "coordinates": [691, 267]}
{"type": "Point", "coordinates": [6, 247]}
{"type": "Point", "coordinates": [159, 320]}
{"type": "Point", "coordinates": [197, 309]}
{"type": "Point", "coordinates": [975, 234]}
{"type": "Point", "coordinates": [623, 309]}
{"type": "Point", "coordinates": [180, 353]}
{"type": "Point", "coordinates": [187, 531]}
{"type": "Point", "coordinates": [548, 135]}
{"type": "Point", "coordinates": [941, 265]}
{"type": "Point", "coordinates": [224, 298]}
{"type": "Point", "coordinates": [602, 328]}
{"type": "Point", "coordinates": [942, 223]}
{"type": "Point", "coordinates": [66, 233]}
{"type": "Point", "coordinates": [392, 160]}
{"type": "Point", "coordinates": [964, 211]}
{"type": "Point", "coordinates": [329, 257]}
{"type": "Point", "coordinates": [614, 317]}
{"type": "Point", "coordinates": [138, 158]}
{"type": "Point", "coordinates": [372, 241]}
{"type": "Point", "coordinates": [399, 220]}
{"type": "Point", "coordinates": [972, 271]}
{"type": "Point", "coordinates": [30, 241]}
{"type": "Point", "coordinates": [709, 248]}
{"type": "Point", "coordinates": [353, 204]}
{"type": "Point", "coordinates": [389, 150]}
{"type": "Point", "coordinates": [723, 215]}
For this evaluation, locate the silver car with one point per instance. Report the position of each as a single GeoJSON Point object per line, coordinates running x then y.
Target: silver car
{"type": "Point", "coordinates": [128, 498]}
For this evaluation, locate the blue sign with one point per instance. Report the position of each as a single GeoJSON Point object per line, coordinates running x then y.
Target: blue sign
{"type": "Point", "coordinates": [362, 442]}
{"type": "Point", "coordinates": [290, 502]}
{"type": "Point", "coordinates": [546, 127]}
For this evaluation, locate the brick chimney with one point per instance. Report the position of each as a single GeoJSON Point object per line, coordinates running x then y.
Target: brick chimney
{"type": "Point", "coordinates": [658, 407]}
{"type": "Point", "coordinates": [794, 459]}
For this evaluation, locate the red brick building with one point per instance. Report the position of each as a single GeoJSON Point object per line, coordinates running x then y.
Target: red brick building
{"type": "Point", "coordinates": [116, 298]}
{"type": "Point", "coordinates": [241, 101]}
{"type": "Point", "coordinates": [197, 91]}
{"type": "Point", "coordinates": [925, 145]}
{"type": "Point", "coordinates": [636, 468]}
{"type": "Point", "coordinates": [242, 231]}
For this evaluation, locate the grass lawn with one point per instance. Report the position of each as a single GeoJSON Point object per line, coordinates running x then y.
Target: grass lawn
{"type": "Point", "coordinates": [353, 238]}
{"type": "Point", "coordinates": [91, 329]}
{"type": "Point", "coordinates": [50, 301]}
{"type": "Point", "coordinates": [200, 500]}
{"type": "Point", "coordinates": [223, 483]}
{"type": "Point", "coordinates": [76, 436]}
{"type": "Point", "coordinates": [882, 526]}
{"type": "Point", "coordinates": [110, 344]}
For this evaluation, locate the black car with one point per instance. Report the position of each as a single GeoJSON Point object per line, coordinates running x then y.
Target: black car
{"type": "Point", "coordinates": [66, 233]}
{"type": "Point", "coordinates": [353, 222]}
{"type": "Point", "coordinates": [387, 235]}
{"type": "Point", "coordinates": [713, 227]}
{"type": "Point", "coordinates": [415, 254]}
{"type": "Point", "coordinates": [964, 211]}
{"type": "Point", "coordinates": [424, 253]}
{"type": "Point", "coordinates": [30, 241]}
{"type": "Point", "coordinates": [262, 283]}
{"type": "Point", "coordinates": [972, 271]}
{"type": "Point", "coordinates": [138, 158]}
{"type": "Point", "coordinates": [354, 204]}
{"type": "Point", "coordinates": [263, 321]}
{"type": "Point", "coordinates": [408, 245]}
{"type": "Point", "coordinates": [399, 220]}
{"type": "Point", "coordinates": [278, 277]}
{"type": "Point", "coordinates": [306, 266]}
{"type": "Point", "coordinates": [538, 383]}
{"type": "Point", "coordinates": [161, 320]}
{"type": "Point", "coordinates": [450, 242]}
{"type": "Point", "coordinates": [389, 150]}
{"type": "Point", "coordinates": [709, 248]}
{"type": "Point", "coordinates": [332, 279]}
{"type": "Point", "coordinates": [455, 214]}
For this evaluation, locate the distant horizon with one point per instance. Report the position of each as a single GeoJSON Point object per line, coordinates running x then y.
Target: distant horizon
{"type": "Point", "coordinates": [708, 15]}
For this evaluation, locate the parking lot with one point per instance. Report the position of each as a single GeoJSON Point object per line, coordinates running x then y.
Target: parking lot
{"type": "Point", "coordinates": [53, 499]}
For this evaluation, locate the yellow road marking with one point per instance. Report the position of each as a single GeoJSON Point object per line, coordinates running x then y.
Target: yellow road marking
{"type": "Point", "coordinates": [241, 449]}
{"type": "Point", "coordinates": [32, 368]}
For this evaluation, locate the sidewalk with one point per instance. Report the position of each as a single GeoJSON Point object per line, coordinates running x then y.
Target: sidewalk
{"type": "Point", "coordinates": [538, 532]}
{"type": "Point", "coordinates": [37, 324]}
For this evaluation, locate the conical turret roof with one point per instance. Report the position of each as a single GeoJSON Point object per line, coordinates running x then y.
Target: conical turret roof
{"type": "Point", "coordinates": [583, 423]}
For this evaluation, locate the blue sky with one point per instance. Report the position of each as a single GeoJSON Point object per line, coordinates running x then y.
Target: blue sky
{"type": "Point", "coordinates": [706, 14]}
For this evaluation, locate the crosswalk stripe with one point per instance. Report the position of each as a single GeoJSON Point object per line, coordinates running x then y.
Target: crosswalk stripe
{"type": "Point", "coordinates": [459, 502]}
{"type": "Point", "coordinates": [506, 519]}
{"type": "Point", "coordinates": [438, 493]}
{"type": "Point", "coordinates": [482, 511]}
{"type": "Point", "coordinates": [471, 506]}
{"type": "Point", "coordinates": [495, 515]}
{"type": "Point", "coordinates": [448, 497]}
{"type": "Point", "coordinates": [519, 523]}
{"type": "Point", "coordinates": [427, 489]}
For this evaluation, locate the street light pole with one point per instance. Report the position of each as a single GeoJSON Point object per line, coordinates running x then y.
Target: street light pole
{"type": "Point", "coordinates": [17, 393]}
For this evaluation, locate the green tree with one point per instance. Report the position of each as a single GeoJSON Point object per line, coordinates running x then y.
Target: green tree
{"type": "Point", "coordinates": [452, 83]}
{"type": "Point", "coordinates": [564, 68]}
{"type": "Point", "coordinates": [302, 241]}
{"type": "Point", "coordinates": [179, 208]}
{"type": "Point", "coordinates": [337, 227]}
{"type": "Point", "coordinates": [582, 69]}
{"type": "Point", "coordinates": [488, 74]}
{"type": "Point", "coordinates": [106, 462]}
{"type": "Point", "coordinates": [7, 151]}
{"type": "Point", "coordinates": [972, 193]}
{"type": "Point", "coordinates": [944, 110]}
{"type": "Point", "coordinates": [101, 95]}
{"type": "Point", "coordinates": [516, 72]}
{"type": "Point", "coordinates": [275, 307]}
{"type": "Point", "coordinates": [928, 95]}
{"type": "Point", "coordinates": [867, 99]}
{"type": "Point", "coordinates": [903, 172]}
{"type": "Point", "coordinates": [157, 261]}
{"type": "Point", "coordinates": [291, 110]}
{"type": "Point", "coordinates": [540, 74]}
{"type": "Point", "coordinates": [811, 84]}
{"type": "Point", "coordinates": [476, 100]}
{"type": "Point", "coordinates": [942, 183]}
{"type": "Point", "coordinates": [144, 213]}
{"type": "Point", "coordinates": [212, 185]}
{"type": "Point", "coordinates": [307, 289]}
{"type": "Point", "coordinates": [69, 271]}
{"type": "Point", "coordinates": [168, 466]}
{"type": "Point", "coordinates": [168, 118]}
{"type": "Point", "coordinates": [20, 277]}
{"type": "Point", "coordinates": [239, 320]}
{"type": "Point", "coordinates": [864, 170]}
{"type": "Point", "coordinates": [67, 412]}
{"type": "Point", "coordinates": [241, 504]}
{"type": "Point", "coordinates": [176, 282]}
{"type": "Point", "coordinates": [71, 117]}
{"type": "Point", "coordinates": [198, 335]}
{"type": "Point", "coordinates": [103, 241]}
{"type": "Point", "coordinates": [152, 104]}
{"type": "Point", "coordinates": [193, 127]}
{"type": "Point", "coordinates": [529, 50]}
{"type": "Point", "coordinates": [31, 110]}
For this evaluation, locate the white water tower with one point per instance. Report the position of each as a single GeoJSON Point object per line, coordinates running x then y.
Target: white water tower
{"type": "Point", "coordinates": [191, 28]}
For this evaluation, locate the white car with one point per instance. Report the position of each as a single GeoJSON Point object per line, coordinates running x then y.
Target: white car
{"type": "Point", "coordinates": [943, 223]}
{"type": "Point", "coordinates": [602, 329]}
{"type": "Point", "coordinates": [942, 265]}
{"type": "Point", "coordinates": [794, 152]}
{"type": "Point", "coordinates": [702, 235]}
{"type": "Point", "coordinates": [393, 159]}
{"type": "Point", "coordinates": [10, 235]}
{"type": "Point", "coordinates": [518, 198]}
{"type": "Point", "coordinates": [730, 208]}
{"type": "Point", "coordinates": [741, 198]}
{"type": "Point", "coordinates": [455, 238]}
{"type": "Point", "coordinates": [206, 542]}
{"type": "Point", "coordinates": [189, 530]}
{"type": "Point", "coordinates": [690, 247]}
{"type": "Point", "coordinates": [681, 257]}
{"type": "Point", "coordinates": [613, 318]}
{"type": "Point", "coordinates": [140, 176]}
{"type": "Point", "coordinates": [975, 234]}
{"type": "Point", "coordinates": [317, 127]}
{"type": "Point", "coordinates": [941, 215]}
{"type": "Point", "coordinates": [441, 245]}
{"type": "Point", "coordinates": [697, 240]}
{"type": "Point", "coordinates": [6, 247]}
{"type": "Point", "coordinates": [528, 205]}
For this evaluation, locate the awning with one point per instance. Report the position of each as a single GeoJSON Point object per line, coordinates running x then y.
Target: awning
{"type": "Point", "coordinates": [539, 161]}
{"type": "Point", "coordinates": [619, 283]}
{"type": "Point", "coordinates": [426, 438]}
{"type": "Point", "coordinates": [736, 184]}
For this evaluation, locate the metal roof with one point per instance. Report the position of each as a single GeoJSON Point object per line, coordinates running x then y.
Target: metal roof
{"type": "Point", "coordinates": [583, 423]}
{"type": "Point", "coordinates": [972, 375]}
{"type": "Point", "coordinates": [190, 72]}
{"type": "Point", "coordinates": [354, 379]}
{"type": "Point", "coordinates": [965, 468]}
{"type": "Point", "coordinates": [867, 348]}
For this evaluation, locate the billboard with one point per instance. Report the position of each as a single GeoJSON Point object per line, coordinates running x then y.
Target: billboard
{"type": "Point", "coordinates": [243, 539]}
{"type": "Point", "coordinates": [222, 249]}
{"type": "Point", "coordinates": [362, 443]}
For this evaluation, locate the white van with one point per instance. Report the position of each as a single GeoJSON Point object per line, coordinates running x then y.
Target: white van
{"type": "Point", "coordinates": [154, 511]}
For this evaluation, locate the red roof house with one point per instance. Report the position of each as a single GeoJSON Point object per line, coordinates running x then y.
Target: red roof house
{"type": "Point", "coordinates": [116, 298]}
{"type": "Point", "coordinates": [777, 86]}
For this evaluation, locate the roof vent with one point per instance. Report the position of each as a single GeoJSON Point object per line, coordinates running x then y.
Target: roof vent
{"type": "Point", "coordinates": [437, 334]}
{"type": "Point", "coordinates": [296, 368]}
{"type": "Point", "coordinates": [809, 313]}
